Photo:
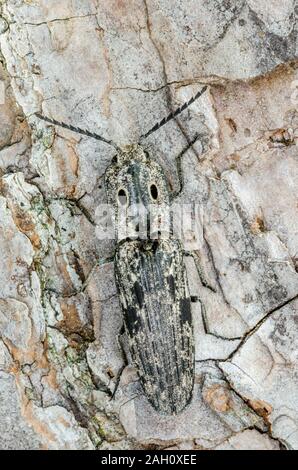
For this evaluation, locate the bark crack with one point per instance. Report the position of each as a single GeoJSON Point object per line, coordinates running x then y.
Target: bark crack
{"type": "Point", "coordinates": [54, 20]}
{"type": "Point", "coordinates": [265, 419]}
{"type": "Point", "coordinates": [258, 325]}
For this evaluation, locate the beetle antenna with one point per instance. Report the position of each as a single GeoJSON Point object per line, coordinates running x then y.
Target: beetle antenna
{"type": "Point", "coordinates": [77, 130]}
{"type": "Point", "coordinates": [174, 113]}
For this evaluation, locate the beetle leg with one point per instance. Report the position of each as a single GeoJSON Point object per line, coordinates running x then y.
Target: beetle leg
{"type": "Point", "coordinates": [122, 349]}
{"type": "Point", "coordinates": [196, 257]}
{"type": "Point", "coordinates": [204, 317]}
{"type": "Point", "coordinates": [100, 262]}
{"type": "Point", "coordinates": [178, 160]}
{"type": "Point", "coordinates": [120, 345]}
{"type": "Point", "coordinates": [117, 382]}
{"type": "Point", "coordinates": [180, 173]}
{"type": "Point", "coordinates": [195, 298]}
{"type": "Point", "coordinates": [103, 261]}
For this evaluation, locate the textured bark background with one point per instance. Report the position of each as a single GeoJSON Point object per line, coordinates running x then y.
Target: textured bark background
{"type": "Point", "coordinates": [116, 67]}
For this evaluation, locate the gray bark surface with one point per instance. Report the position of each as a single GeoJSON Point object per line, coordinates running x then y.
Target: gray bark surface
{"type": "Point", "coordinates": [116, 68]}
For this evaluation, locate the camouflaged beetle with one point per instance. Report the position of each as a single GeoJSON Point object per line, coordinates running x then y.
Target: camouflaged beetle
{"type": "Point", "coordinates": [151, 278]}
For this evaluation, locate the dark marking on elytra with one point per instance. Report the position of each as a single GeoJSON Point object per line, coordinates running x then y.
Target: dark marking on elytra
{"type": "Point", "coordinates": [171, 284]}
{"type": "Point", "coordinates": [132, 320]}
{"type": "Point", "coordinates": [139, 293]}
{"type": "Point", "coordinates": [185, 310]}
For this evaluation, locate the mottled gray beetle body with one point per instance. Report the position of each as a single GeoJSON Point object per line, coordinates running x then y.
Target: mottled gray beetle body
{"type": "Point", "coordinates": [152, 285]}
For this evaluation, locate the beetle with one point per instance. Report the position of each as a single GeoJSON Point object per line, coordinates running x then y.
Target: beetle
{"type": "Point", "coordinates": [151, 276]}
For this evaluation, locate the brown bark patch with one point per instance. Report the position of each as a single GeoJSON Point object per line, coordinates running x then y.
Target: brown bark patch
{"type": "Point", "coordinates": [261, 408]}
{"type": "Point", "coordinates": [258, 226]}
{"type": "Point", "coordinates": [218, 398]}
{"type": "Point", "coordinates": [26, 225]}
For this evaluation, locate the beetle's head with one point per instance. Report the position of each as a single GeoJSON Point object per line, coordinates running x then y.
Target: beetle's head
{"type": "Point", "coordinates": [133, 178]}
{"type": "Point", "coordinates": [134, 182]}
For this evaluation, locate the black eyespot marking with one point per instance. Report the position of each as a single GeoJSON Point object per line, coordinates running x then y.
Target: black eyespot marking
{"type": "Point", "coordinates": [154, 191]}
{"type": "Point", "coordinates": [122, 197]}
